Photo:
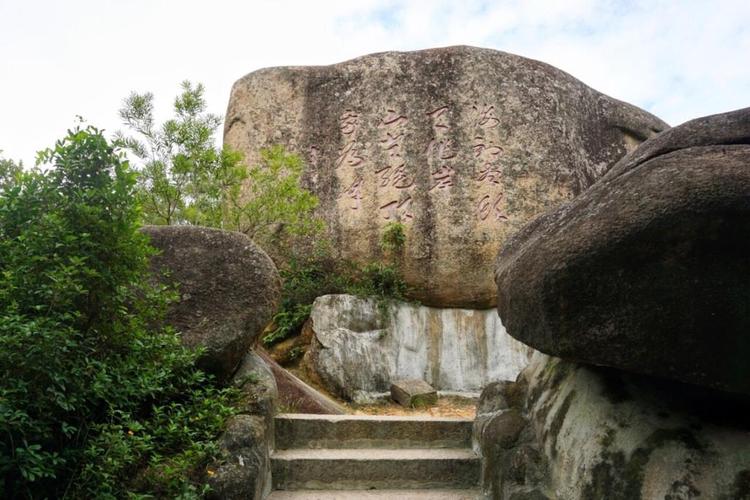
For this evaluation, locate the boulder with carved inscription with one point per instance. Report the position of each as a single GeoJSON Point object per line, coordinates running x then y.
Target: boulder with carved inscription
{"type": "Point", "coordinates": [462, 145]}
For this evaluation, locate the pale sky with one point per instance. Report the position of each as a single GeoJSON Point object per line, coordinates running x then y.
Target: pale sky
{"type": "Point", "coordinates": [62, 58]}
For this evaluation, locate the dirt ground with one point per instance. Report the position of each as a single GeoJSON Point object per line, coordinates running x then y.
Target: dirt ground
{"type": "Point", "coordinates": [447, 406]}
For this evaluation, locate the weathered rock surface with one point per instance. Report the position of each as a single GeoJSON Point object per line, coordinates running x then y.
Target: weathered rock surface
{"type": "Point", "coordinates": [245, 472]}
{"type": "Point", "coordinates": [647, 270]}
{"type": "Point", "coordinates": [462, 145]}
{"type": "Point", "coordinates": [413, 393]}
{"type": "Point", "coordinates": [512, 467]}
{"type": "Point", "coordinates": [260, 393]}
{"type": "Point", "coordinates": [360, 348]}
{"type": "Point", "coordinates": [603, 433]}
{"type": "Point", "coordinates": [229, 289]}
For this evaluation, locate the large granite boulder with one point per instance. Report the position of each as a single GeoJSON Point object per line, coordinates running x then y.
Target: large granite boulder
{"type": "Point", "coordinates": [462, 145]}
{"type": "Point", "coordinates": [360, 346]}
{"type": "Point", "coordinates": [229, 289]}
{"type": "Point", "coordinates": [648, 269]}
{"type": "Point", "coordinates": [598, 433]}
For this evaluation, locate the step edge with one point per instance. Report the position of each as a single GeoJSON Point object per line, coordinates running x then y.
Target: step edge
{"type": "Point", "coordinates": [366, 418]}
{"type": "Point", "coordinates": [366, 454]}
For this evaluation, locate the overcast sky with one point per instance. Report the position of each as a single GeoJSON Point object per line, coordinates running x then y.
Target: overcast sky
{"type": "Point", "coordinates": [58, 59]}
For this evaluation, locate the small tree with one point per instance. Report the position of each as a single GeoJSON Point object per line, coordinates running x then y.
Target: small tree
{"type": "Point", "coordinates": [184, 178]}
{"type": "Point", "coordinates": [274, 208]}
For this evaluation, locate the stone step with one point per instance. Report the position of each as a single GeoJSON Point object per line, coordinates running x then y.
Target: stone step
{"type": "Point", "coordinates": [370, 431]}
{"type": "Point", "coordinates": [362, 469]}
{"type": "Point", "coordinates": [376, 495]}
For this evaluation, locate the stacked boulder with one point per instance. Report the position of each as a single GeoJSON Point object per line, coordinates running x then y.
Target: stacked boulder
{"type": "Point", "coordinates": [640, 285]}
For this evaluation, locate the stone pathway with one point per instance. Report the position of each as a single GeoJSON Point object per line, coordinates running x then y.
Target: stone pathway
{"type": "Point", "coordinates": [330, 457]}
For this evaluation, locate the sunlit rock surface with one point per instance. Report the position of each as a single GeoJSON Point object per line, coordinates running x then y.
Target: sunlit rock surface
{"type": "Point", "coordinates": [360, 347]}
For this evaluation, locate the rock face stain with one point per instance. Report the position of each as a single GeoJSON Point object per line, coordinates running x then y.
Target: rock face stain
{"type": "Point", "coordinates": [451, 349]}
{"type": "Point", "coordinates": [461, 145]}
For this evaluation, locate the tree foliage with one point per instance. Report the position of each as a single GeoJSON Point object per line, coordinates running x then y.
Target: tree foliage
{"type": "Point", "coordinates": [9, 172]}
{"type": "Point", "coordinates": [91, 392]}
{"type": "Point", "coordinates": [184, 178]}
{"type": "Point", "coordinates": [274, 208]}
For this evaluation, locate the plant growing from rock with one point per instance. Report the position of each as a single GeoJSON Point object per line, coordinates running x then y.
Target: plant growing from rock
{"type": "Point", "coordinates": [307, 278]}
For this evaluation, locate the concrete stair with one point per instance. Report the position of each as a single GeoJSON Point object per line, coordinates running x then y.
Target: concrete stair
{"type": "Point", "coordinates": [373, 457]}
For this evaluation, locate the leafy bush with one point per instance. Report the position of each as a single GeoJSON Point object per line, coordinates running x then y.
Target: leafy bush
{"type": "Point", "coordinates": [91, 392]}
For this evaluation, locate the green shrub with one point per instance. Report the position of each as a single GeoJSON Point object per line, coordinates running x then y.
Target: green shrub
{"type": "Point", "coordinates": [95, 402]}
{"type": "Point", "coordinates": [393, 238]}
{"type": "Point", "coordinates": [306, 279]}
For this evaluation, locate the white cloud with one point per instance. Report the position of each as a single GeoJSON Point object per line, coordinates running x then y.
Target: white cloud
{"type": "Point", "coordinates": [678, 59]}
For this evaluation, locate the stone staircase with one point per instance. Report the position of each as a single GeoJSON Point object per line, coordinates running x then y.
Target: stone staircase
{"type": "Point", "coordinates": [373, 457]}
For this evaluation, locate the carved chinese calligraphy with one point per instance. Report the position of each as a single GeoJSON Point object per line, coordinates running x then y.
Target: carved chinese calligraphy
{"type": "Point", "coordinates": [393, 131]}
{"type": "Point", "coordinates": [487, 157]}
{"type": "Point", "coordinates": [351, 153]}
{"type": "Point", "coordinates": [392, 173]}
{"type": "Point", "coordinates": [355, 193]}
{"type": "Point", "coordinates": [483, 116]}
{"type": "Point", "coordinates": [394, 180]}
{"type": "Point", "coordinates": [398, 210]}
{"type": "Point", "coordinates": [348, 122]}
{"type": "Point", "coordinates": [441, 150]}
{"type": "Point", "coordinates": [487, 166]}
{"type": "Point", "coordinates": [351, 157]}
{"type": "Point", "coordinates": [443, 177]}
{"type": "Point", "coordinates": [439, 118]}
{"type": "Point", "coordinates": [491, 206]}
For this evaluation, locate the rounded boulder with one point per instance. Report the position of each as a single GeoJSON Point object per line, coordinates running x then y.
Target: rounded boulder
{"type": "Point", "coordinates": [647, 270]}
{"type": "Point", "coordinates": [228, 290]}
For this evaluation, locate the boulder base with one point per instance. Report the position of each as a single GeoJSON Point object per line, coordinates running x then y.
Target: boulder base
{"type": "Point", "coordinates": [602, 433]}
{"type": "Point", "coordinates": [413, 393]}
